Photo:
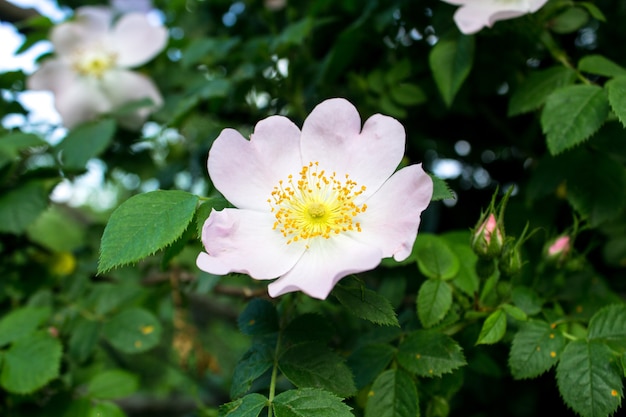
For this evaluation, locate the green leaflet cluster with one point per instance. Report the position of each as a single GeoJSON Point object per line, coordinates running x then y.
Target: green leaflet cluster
{"type": "Point", "coordinates": [382, 375]}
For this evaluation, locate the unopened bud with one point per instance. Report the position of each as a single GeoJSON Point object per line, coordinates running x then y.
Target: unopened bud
{"type": "Point", "coordinates": [511, 260]}
{"type": "Point", "coordinates": [559, 249]}
{"type": "Point", "coordinates": [488, 238]}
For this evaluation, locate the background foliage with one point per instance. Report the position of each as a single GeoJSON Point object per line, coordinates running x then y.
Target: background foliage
{"type": "Point", "coordinates": [102, 313]}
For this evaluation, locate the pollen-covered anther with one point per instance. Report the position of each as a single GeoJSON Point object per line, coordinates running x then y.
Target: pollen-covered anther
{"type": "Point", "coordinates": [316, 204]}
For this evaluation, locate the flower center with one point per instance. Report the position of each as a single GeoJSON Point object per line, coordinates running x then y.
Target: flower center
{"type": "Point", "coordinates": [94, 62]}
{"type": "Point", "coordinates": [315, 205]}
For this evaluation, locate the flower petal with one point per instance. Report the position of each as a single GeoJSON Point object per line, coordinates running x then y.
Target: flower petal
{"type": "Point", "coordinates": [91, 26]}
{"type": "Point", "coordinates": [393, 214]}
{"type": "Point", "coordinates": [244, 241]}
{"type": "Point", "coordinates": [324, 264]}
{"type": "Point", "coordinates": [136, 40]}
{"type": "Point", "coordinates": [53, 74]}
{"type": "Point", "coordinates": [81, 101]}
{"type": "Point", "coordinates": [123, 87]}
{"type": "Point", "coordinates": [332, 136]}
{"type": "Point", "coordinates": [246, 172]}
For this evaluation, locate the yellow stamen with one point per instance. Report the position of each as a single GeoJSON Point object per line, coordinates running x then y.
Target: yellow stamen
{"type": "Point", "coordinates": [315, 204]}
{"type": "Point", "coordinates": [93, 62]}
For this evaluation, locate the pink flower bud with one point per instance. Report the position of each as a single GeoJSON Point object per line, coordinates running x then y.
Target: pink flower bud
{"type": "Point", "coordinates": [488, 239]}
{"type": "Point", "coordinates": [558, 249]}
{"type": "Point", "coordinates": [559, 246]}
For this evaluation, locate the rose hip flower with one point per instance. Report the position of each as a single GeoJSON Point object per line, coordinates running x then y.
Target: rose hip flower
{"type": "Point", "coordinates": [316, 205]}
{"type": "Point", "coordinates": [473, 15]}
{"type": "Point", "coordinates": [89, 75]}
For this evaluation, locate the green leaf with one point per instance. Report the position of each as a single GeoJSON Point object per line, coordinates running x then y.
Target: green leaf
{"type": "Point", "coordinates": [368, 361]}
{"type": "Point", "coordinates": [600, 65]}
{"type": "Point", "coordinates": [258, 318]}
{"type": "Point", "coordinates": [132, 331]}
{"type": "Point", "coordinates": [83, 339]}
{"type": "Point", "coordinates": [208, 50]}
{"type": "Point", "coordinates": [365, 303]}
{"type": "Point", "coordinates": [609, 325]}
{"type": "Point", "coordinates": [572, 19]}
{"type": "Point", "coordinates": [515, 312]}
{"type": "Point", "coordinates": [254, 363]}
{"type": "Point", "coordinates": [434, 299]}
{"type": "Point", "coordinates": [616, 90]}
{"type": "Point", "coordinates": [21, 206]}
{"type": "Point", "coordinates": [434, 257]}
{"type": "Point", "coordinates": [112, 384]}
{"type": "Point", "coordinates": [308, 327]}
{"type": "Point", "coordinates": [106, 409]}
{"type": "Point", "coordinates": [56, 230]}
{"type": "Point", "coordinates": [393, 394]}
{"type": "Point", "coordinates": [407, 94]}
{"type": "Point", "coordinates": [593, 10]}
{"type": "Point", "coordinates": [295, 33]}
{"type": "Point", "coordinates": [597, 194]}
{"type": "Point", "coordinates": [30, 363]}
{"type": "Point", "coordinates": [309, 402]}
{"type": "Point", "coordinates": [527, 299]}
{"type": "Point", "coordinates": [249, 406]}
{"type": "Point", "coordinates": [313, 365]}
{"type": "Point", "coordinates": [536, 348]}
{"type": "Point", "coordinates": [12, 144]}
{"type": "Point", "coordinates": [430, 353]}
{"type": "Point", "coordinates": [144, 224]}
{"type": "Point", "coordinates": [493, 328]}
{"type": "Point", "coordinates": [450, 61]}
{"type": "Point", "coordinates": [466, 279]}
{"type": "Point", "coordinates": [441, 190]}
{"type": "Point", "coordinates": [572, 114]}
{"type": "Point", "coordinates": [21, 322]}
{"type": "Point", "coordinates": [588, 379]}
{"type": "Point", "coordinates": [533, 91]}
{"type": "Point", "coordinates": [85, 142]}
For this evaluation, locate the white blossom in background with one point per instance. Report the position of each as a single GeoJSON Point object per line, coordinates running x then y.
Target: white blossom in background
{"type": "Point", "coordinates": [473, 15]}
{"type": "Point", "coordinates": [89, 74]}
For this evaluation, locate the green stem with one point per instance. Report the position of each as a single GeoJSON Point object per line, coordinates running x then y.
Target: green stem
{"type": "Point", "coordinates": [273, 380]}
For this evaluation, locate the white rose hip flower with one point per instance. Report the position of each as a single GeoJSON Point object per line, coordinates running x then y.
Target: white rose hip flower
{"type": "Point", "coordinates": [473, 15]}
{"type": "Point", "coordinates": [316, 205]}
{"type": "Point", "coordinates": [89, 75]}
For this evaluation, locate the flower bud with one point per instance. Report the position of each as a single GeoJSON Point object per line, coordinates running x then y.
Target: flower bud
{"type": "Point", "coordinates": [511, 260]}
{"type": "Point", "coordinates": [558, 249]}
{"type": "Point", "coordinates": [488, 238]}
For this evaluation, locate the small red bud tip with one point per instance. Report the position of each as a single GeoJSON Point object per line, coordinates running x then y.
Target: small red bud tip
{"type": "Point", "coordinates": [53, 331]}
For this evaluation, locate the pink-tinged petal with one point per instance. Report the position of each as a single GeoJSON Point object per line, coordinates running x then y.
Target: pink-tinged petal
{"type": "Point", "coordinates": [98, 18]}
{"type": "Point", "coordinates": [91, 26]}
{"type": "Point", "coordinates": [83, 100]}
{"type": "Point", "coordinates": [246, 172]}
{"type": "Point", "coordinates": [67, 38]}
{"type": "Point", "coordinates": [393, 214]}
{"type": "Point", "coordinates": [54, 75]}
{"type": "Point", "coordinates": [243, 241]}
{"type": "Point", "coordinates": [122, 87]}
{"type": "Point", "coordinates": [470, 20]}
{"type": "Point", "coordinates": [136, 40]}
{"type": "Point", "coordinates": [324, 264]}
{"type": "Point", "coordinates": [332, 136]}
